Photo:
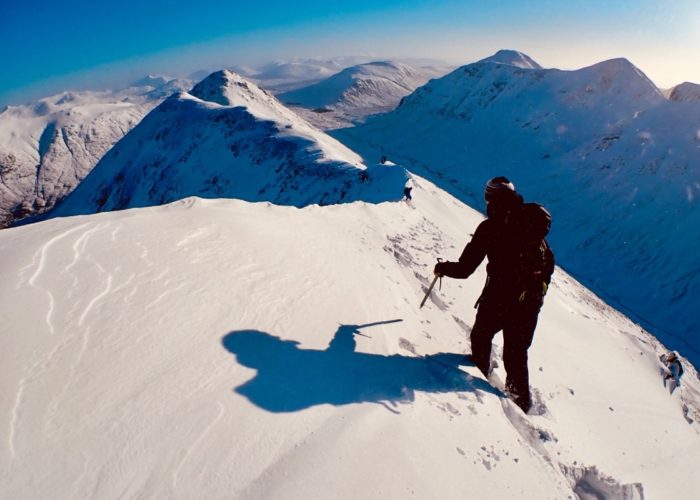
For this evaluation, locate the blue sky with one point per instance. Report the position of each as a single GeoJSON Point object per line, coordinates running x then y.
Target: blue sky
{"type": "Point", "coordinates": [48, 46]}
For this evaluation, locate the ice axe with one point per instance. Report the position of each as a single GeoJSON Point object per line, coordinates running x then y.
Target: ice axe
{"type": "Point", "coordinates": [430, 288]}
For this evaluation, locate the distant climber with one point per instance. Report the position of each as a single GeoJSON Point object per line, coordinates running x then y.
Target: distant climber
{"type": "Point", "coordinates": [407, 193]}
{"type": "Point", "coordinates": [520, 266]}
{"type": "Point", "coordinates": [673, 370]}
{"type": "Point", "coordinates": [382, 160]}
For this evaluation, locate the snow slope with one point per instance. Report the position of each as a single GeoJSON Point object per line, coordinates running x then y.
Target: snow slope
{"type": "Point", "coordinates": [228, 137]}
{"type": "Point", "coordinates": [176, 352]}
{"type": "Point", "coordinates": [49, 146]}
{"type": "Point", "coordinates": [616, 163]}
{"type": "Point", "coordinates": [358, 91]}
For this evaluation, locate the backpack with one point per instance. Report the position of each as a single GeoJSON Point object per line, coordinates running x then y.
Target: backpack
{"type": "Point", "coordinates": [536, 260]}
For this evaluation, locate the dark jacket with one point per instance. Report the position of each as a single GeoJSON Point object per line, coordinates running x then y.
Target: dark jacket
{"type": "Point", "coordinates": [505, 248]}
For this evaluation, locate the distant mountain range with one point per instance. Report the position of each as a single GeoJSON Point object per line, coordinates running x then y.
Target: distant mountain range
{"type": "Point", "coordinates": [49, 146]}
{"type": "Point", "coordinates": [616, 163]}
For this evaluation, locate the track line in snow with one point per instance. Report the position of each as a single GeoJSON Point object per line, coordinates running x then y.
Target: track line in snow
{"type": "Point", "coordinates": [126, 283]}
{"type": "Point", "coordinates": [79, 247]}
{"type": "Point", "coordinates": [40, 260]}
{"type": "Point", "coordinates": [144, 256]}
{"type": "Point", "coordinates": [15, 417]}
{"type": "Point", "coordinates": [160, 297]}
{"type": "Point", "coordinates": [84, 335]}
{"type": "Point", "coordinates": [95, 300]}
{"type": "Point", "coordinates": [115, 231]}
{"type": "Point", "coordinates": [49, 313]}
{"type": "Point", "coordinates": [73, 369]}
{"type": "Point", "coordinates": [36, 371]}
{"type": "Point", "coordinates": [194, 445]}
{"type": "Point", "coordinates": [44, 251]}
{"type": "Point", "coordinates": [193, 236]}
{"type": "Point", "coordinates": [23, 382]}
{"type": "Point", "coordinates": [24, 270]}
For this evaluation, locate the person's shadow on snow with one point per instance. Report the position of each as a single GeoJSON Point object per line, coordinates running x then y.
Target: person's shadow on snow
{"type": "Point", "coordinates": [290, 378]}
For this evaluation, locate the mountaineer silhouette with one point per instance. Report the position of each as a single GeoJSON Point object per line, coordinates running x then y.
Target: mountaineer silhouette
{"type": "Point", "coordinates": [520, 266]}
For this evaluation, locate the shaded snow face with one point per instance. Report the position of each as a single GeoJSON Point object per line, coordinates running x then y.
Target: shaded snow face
{"type": "Point", "coordinates": [615, 163]}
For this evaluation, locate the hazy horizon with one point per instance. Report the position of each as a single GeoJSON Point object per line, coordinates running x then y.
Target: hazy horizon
{"type": "Point", "coordinates": [50, 48]}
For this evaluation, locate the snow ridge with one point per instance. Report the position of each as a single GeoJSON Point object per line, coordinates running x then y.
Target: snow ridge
{"type": "Point", "coordinates": [229, 138]}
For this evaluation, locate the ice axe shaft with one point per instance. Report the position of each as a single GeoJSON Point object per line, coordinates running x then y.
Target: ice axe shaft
{"type": "Point", "coordinates": [430, 289]}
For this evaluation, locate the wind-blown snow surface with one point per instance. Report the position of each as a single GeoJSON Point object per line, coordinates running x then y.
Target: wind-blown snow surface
{"type": "Point", "coordinates": [229, 138]}
{"type": "Point", "coordinates": [215, 349]}
{"type": "Point", "coordinates": [358, 91]}
{"type": "Point", "coordinates": [616, 163]}
{"type": "Point", "coordinates": [48, 147]}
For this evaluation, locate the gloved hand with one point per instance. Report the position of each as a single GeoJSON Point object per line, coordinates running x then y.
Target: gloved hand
{"type": "Point", "coordinates": [439, 269]}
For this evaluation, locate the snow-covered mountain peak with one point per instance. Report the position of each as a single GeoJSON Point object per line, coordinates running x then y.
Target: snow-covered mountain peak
{"type": "Point", "coordinates": [389, 64]}
{"type": "Point", "coordinates": [512, 58]}
{"type": "Point", "coordinates": [378, 67]}
{"type": "Point", "coordinates": [621, 77]}
{"type": "Point", "coordinates": [152, 81]}
{"type": "Point", "coordinates": [557, 102]}
{"type": "Point", "coordinates": [299, 70]}
{"type": "Point", "coordinates": [358, 91]}
{"type": "Point", "coordinates": [228, 89]}
{"type": "Point", "coordinates": [400, 74]}
{"type": "Point", "coordinates": [686, 91]}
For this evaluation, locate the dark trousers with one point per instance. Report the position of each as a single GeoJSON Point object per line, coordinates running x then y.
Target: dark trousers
{"type": "Point", "coordinates": [518, 321]}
